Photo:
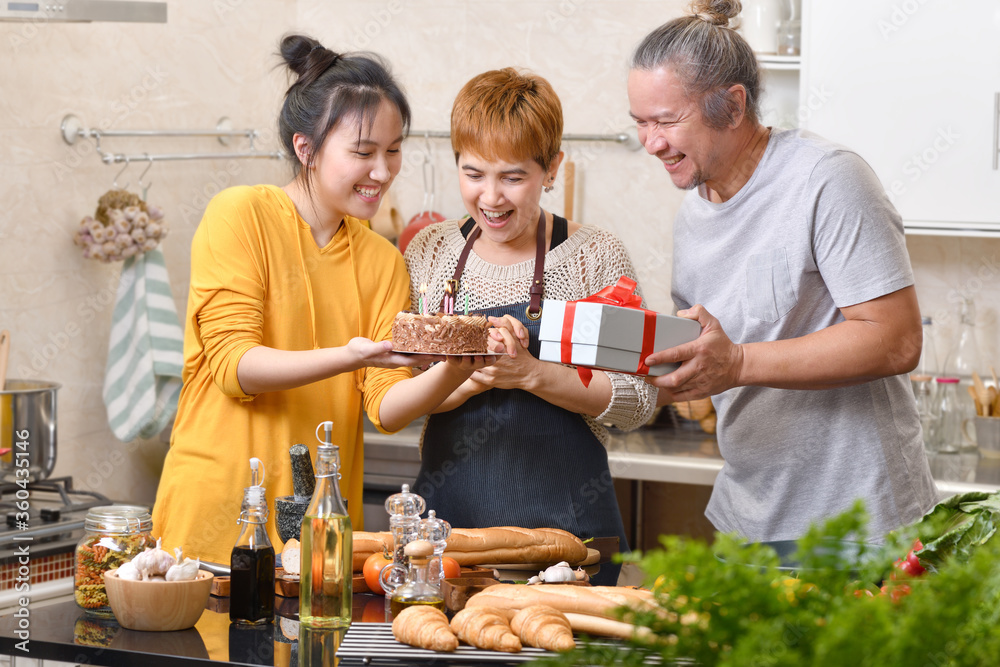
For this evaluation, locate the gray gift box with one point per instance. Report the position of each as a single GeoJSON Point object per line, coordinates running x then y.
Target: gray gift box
{"type": "Point", "coordinates": [609, 337]}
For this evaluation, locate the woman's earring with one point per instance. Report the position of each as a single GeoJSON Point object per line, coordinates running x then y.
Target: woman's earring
{"type": "Point", "coordinates": [549, 187]}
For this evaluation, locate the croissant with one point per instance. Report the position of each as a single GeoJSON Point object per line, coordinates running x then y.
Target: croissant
{"type": "Point", "coordinates": [424, 627]}
{"type": "Point", "coordinates": [543, 627]}
{"type": "Point", "coordinates": [485, 629]}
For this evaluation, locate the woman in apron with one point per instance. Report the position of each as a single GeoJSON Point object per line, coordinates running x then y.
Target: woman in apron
{"type": "Point", "coordinates": [521, 443]}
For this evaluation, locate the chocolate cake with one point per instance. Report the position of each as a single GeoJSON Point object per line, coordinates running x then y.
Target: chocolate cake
{"type": "Point", "coordinates": [440, 333]}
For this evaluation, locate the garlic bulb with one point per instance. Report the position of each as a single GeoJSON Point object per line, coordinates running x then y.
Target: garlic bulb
{"type": "Point", "coordinates": [152, 562]}
{"type": "Point", "coordinates": [558, 572]}
{"type": "Point", "coordinates": [185, 571]}
{"type": "Point", "coordinates": [129, 572]}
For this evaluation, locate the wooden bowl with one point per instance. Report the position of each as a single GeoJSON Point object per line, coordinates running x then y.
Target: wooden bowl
{"type": "Point", "coordinates": [157, 606]}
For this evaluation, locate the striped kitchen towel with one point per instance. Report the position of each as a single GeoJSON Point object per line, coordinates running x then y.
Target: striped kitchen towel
{"type": "Point", "coordinates": [145, 352]}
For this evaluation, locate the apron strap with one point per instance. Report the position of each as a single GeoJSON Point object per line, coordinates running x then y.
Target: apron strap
{"type": "Point", "coordinates": [534, 309]}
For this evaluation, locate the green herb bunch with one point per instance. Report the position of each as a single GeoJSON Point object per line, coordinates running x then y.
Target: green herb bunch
{"type": "Point", "coordinates": [729, 603]}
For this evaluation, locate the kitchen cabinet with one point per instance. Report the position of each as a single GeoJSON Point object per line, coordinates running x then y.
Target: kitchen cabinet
{"type": "Point", "coordinates": [914, 88]}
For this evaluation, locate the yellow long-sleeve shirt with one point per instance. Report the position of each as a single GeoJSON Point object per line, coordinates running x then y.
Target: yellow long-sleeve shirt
{"type": "Point", "coordinates": [258, 278]}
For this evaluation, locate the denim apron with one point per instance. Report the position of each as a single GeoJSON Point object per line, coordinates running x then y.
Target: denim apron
{"type": "Point", "coordinates": [509, 458]}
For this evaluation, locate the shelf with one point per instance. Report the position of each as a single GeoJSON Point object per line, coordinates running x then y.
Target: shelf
{"type": "Point", "coordinates": [775, 62]}
{"type": "Point", "coordinates": [946, 228]}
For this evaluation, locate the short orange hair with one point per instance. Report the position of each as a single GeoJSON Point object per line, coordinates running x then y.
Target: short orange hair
{"type": "Point", "coordinates": [507, 115]}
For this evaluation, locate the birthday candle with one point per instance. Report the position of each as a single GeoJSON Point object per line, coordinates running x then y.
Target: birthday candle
{"type": "Point", "coordinates": [449, 297]}
{"type": "Point", "coordinates": [423, 290]}
{"type": "Point", "coordinates": [466, 303]}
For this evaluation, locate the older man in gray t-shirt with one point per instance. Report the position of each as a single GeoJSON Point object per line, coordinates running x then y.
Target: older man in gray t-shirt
{"type": "Point", "coordinates": [810, 232]}
{"type": "Point", "coordinates": [789, 254]}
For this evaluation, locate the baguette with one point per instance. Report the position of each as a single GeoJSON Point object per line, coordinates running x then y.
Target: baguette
{"type": "Point", "coordinates": [290, 556]}
{"type": "Point", "coordinates": [477, 546]}
{"type": "Point", "coordinates": [605, 627]}
{"type": "Point", "coordinates": [511, 544]}
{"type": "Point", "coordinates": [365, 544]}
{"type": "Point", "coordinates": [589, 600]}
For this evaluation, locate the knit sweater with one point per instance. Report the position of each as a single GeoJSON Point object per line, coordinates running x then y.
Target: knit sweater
{"type": "Point", "coordinates": [589, 260]}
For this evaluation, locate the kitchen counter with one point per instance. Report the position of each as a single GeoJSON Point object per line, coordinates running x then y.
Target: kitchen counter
{"type": "Point", "coordinates": [676, 454]}
{"type": "Point", "coordinates": [65, 633]}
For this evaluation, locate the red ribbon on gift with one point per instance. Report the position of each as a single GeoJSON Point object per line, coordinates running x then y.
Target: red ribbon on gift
{"type": "Point", "coordinates": [621, 294]}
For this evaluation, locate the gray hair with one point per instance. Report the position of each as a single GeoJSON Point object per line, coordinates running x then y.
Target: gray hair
{"type": "Point", "coordinates": [709, 57]}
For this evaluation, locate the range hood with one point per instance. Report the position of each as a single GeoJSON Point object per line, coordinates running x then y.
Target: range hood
{"type": "Point", "coordinates": [84, 10]}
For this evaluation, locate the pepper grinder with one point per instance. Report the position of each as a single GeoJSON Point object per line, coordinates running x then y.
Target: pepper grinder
{"type": "Point", "coordinates": [291, 509]}
{"type": "Point", "coordinates": [404, 510]}
{"type": "Point", "coordinates": [436, 531]}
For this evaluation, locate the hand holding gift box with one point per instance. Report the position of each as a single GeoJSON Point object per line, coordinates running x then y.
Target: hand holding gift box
{"type": "Point", "coordinates": [610, 331]}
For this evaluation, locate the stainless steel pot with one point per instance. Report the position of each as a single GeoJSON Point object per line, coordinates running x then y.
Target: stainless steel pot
{"type": "Point", "coordinates": [28, 428]}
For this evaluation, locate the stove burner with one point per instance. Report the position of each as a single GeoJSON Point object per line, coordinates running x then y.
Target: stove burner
{"type": "Point", "coordinates": [63, 486]}
{"type": "Point", "coordinates": [55, 510]}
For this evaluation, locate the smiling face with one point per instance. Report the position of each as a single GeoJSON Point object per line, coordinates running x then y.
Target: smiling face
{"type": "Point", "coordinates": [503, 197]}
{"type": "Point", "coordinates": [671, 127]}
{"type": "Point", "coordinates": [349, 177]}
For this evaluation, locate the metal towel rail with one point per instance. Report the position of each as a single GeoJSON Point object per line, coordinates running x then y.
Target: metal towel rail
{"type": "Point", "coordinates": [630, 141]}
{"type": "Point", "coordinates": [73, 129]}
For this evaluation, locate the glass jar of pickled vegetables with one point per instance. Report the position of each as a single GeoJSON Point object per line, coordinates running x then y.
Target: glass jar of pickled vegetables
{"type": "Point", "coordinates": [113, 535]}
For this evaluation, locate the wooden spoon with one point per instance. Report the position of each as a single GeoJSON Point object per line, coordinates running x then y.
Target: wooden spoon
{"type": "Point", "coordinates": [4, 351]}
{"type": "Point", "coordinates": [982, 395]}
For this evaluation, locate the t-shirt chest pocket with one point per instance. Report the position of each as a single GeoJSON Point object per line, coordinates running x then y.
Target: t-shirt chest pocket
{"type": "Point", "coordinates": [769, 286]}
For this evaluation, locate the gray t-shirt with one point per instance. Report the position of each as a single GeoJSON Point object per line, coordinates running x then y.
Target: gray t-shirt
{"type": "Point", "coordinates": [810, 232]}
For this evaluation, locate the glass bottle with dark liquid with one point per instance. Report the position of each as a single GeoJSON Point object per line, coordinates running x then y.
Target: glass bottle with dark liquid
{"type": "Point", "coordinates": [251, 565]}
{"type": "Point", "coordinates": [417, 591]}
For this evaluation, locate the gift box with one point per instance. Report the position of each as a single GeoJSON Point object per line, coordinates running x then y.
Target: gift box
{"type": "Point", "coordinates": [610, 331]}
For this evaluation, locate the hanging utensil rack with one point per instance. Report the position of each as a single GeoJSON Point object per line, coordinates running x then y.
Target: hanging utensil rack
{"type": "Point", "coordinates": [73, 129]}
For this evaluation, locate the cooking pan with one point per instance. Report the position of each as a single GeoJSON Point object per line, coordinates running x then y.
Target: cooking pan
{"type": "Point", "coordinates": [28, 428]}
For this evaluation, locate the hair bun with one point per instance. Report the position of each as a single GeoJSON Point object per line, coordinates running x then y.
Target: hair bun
{"type": "Point", "coordinates": [306, 57]}
{"type": "Point", "coordinates": [716, 12]}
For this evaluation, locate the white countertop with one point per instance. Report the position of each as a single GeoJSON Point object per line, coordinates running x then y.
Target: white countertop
{"type": "Point", "coordinates": [680, 456]}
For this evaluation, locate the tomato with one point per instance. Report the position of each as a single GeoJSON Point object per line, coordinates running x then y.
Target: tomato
{"type": "Point", "coordinates": [373, 569]}
{"type": "Point", "coordinates": [451, 567]}
{"type": "Point", "coordinates": [896, 592]}
{"type": "Point", "coordinates": [909, 566]}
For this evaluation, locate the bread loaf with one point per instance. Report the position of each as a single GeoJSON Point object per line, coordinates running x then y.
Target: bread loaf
{"type": "Point", "coordinates": [476, 546]}
{"type": "Point", "coordinates": [510, 544]}
{"type": "Point", "coordinates": [290, 556]}
{"type": "Point", "coordinates": [365, 544]}
{"type": "Point", "coordinates": [589, 600]}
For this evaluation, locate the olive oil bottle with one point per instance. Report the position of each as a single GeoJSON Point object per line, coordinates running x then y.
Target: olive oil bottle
{"type": "Point", "coordinates": [418, 589]}
{"type": "Point", "coordinates": [325, 587]}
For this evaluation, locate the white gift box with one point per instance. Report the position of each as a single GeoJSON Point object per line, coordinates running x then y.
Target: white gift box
{"type": "Point", "coordinates": [609, 337]}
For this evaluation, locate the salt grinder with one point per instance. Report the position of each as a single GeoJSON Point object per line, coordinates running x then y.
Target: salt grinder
{"type": "Point", "coordinates": [404, 510]}
{"type": "Point", "coordinates": [436, 531]}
